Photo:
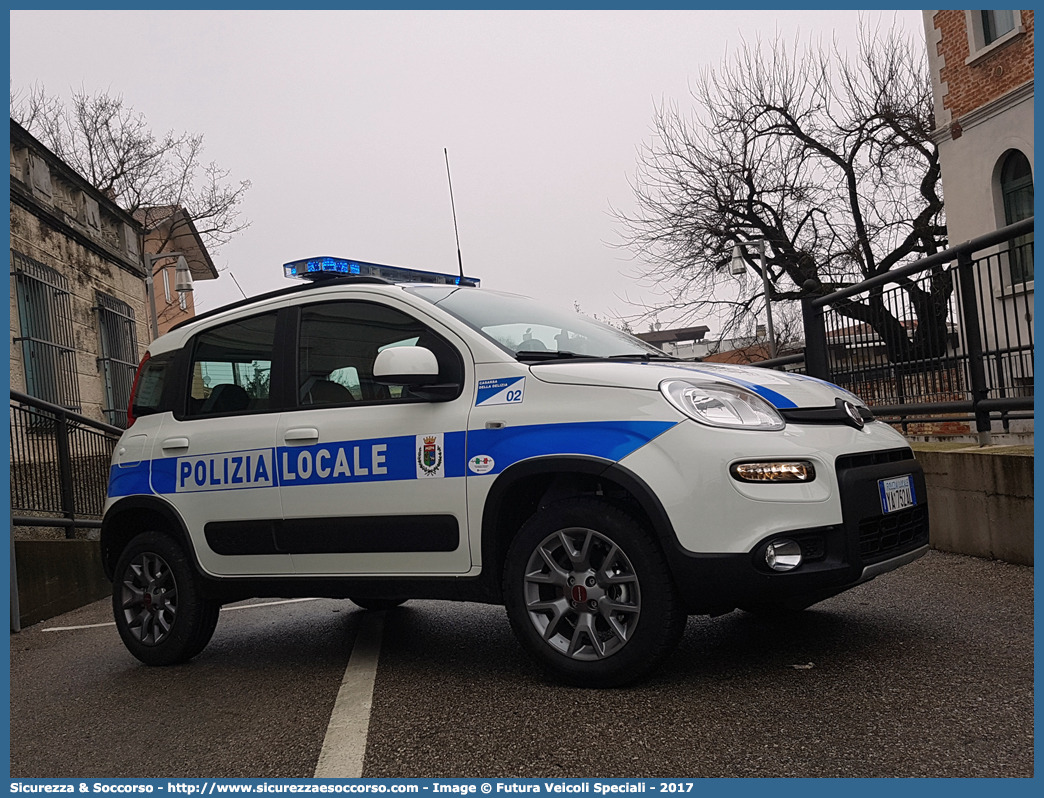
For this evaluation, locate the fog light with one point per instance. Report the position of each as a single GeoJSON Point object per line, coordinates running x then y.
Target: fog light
{"type": "Point", "coordinates": [789, 471]}
{"type": "Point", "coordinates": [783, 555]}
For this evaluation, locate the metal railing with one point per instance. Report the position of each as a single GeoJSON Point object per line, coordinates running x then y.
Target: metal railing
{"type": "Point", "coordinates": [947, 338]}
{"type": "Point", "coordinates": [59, 465]}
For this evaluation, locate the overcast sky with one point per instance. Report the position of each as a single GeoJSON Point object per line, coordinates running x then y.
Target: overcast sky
{"type": "Point", "coordinates": [339, 119]}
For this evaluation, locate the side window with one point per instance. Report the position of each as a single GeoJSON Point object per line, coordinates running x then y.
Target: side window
{"type": "Point", "coordinates": [988, 30]}
{"type": "Point", "coordinates": [148, 396]}
{"type": "Point", "coordinates": [995, 24]}
{"type": "Point", "coordinates": [232, 368]}
{"type": "Point", "coordinates": [339, 342]}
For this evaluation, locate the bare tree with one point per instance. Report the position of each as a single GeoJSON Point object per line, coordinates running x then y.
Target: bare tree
{"type": "Point", "coordinates": [149, 175]}
{"type": "Point", "coordinates": [827, 158]}
{"type": "Point", "coordinates": [616, 322]}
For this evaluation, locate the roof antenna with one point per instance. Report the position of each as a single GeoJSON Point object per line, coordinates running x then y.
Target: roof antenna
{"type": "Point", "coordinates": [237, 284]}
{"type": "Point", "coordinates": [449, 180]}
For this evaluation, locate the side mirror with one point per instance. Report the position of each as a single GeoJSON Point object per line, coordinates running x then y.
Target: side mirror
{"type": "Point", "coordinates": [412, 366]}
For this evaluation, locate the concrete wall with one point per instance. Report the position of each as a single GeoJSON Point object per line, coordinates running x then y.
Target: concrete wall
{"type": "Point", "coordinates": [980, 500]}
{"type": "Point", "coordinates": [55, 576]}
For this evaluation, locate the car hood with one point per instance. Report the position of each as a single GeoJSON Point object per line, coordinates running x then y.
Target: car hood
{"type": "Point", "coordinates": [784, 390]}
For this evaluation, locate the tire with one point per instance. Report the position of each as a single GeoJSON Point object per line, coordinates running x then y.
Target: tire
{"type": "Point", "coordinates": [206, 629]}
{"type": "Point", "coordinates": [157, 602]}
{"type": "Point", "coordinates": [627, 616]}
{"type": "Point", "coordinates": [377, 604]}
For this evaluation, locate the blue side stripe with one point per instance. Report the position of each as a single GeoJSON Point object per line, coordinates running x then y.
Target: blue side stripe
{"type": "Point", "coordinates": [388, 459]}
{"type": "Point", "coordinates": [129, 480]}
{"type": "Point", "coordinates": [611, 440]}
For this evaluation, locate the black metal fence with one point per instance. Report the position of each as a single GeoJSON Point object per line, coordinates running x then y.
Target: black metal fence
{"type": "Point", "coordinates": [59, 465]}
{"type": "Point", "coordinates": [946, 339]}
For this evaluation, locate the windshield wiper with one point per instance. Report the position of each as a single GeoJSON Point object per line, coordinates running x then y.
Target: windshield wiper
{"type": "Point", "coordinates": [541, 355]}
{"type": "Point", "coordinates": [642, 356]}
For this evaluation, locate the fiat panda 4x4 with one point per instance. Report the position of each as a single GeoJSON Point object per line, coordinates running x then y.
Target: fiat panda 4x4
{"type": "Point", "coordinates": [382, 434]}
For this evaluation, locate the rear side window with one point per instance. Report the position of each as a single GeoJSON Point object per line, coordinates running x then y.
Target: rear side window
{"type": "Point", "coordinates": [148, 396]}
{"type": "Point", "coordinates": [232, 368]}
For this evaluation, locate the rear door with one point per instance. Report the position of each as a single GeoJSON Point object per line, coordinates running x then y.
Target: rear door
{"type": "Point", "coordinates": [214, 457]}
{"type": "Point", "coordinates": [372, 477]}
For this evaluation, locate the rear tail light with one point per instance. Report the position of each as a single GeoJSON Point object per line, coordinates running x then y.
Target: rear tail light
{"type": "Point", "coordinates": [134, 390]}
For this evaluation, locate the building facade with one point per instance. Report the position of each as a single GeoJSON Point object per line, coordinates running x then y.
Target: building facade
{"type": "Point", "coordinates": [982, 78]}
{"type": "Point", "coordinates": [981, 65]}
{"type": "Point", "coordinates": [171, 229]}
{"type": "Point", "coordinates": [79, 316]}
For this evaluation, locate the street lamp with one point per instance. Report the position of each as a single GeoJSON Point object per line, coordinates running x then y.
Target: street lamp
{"type": "Point", "coordinates": [739, 266]}
{"type": "Point", "coordinates": [182, 281]}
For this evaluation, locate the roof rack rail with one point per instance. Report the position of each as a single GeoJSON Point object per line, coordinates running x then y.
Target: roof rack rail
{"type": "Point", "coordinates": [294, 289]}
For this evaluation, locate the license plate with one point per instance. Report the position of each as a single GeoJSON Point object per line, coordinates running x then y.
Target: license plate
{"type": "Point", "coordinates": [897, 493]}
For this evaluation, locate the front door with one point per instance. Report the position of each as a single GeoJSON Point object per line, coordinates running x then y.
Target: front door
{"type": "Point", "coordinates": [372, 478]}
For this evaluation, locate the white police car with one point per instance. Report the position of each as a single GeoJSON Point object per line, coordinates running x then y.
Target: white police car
{"type": "Point", "coordinates": [384, 434]}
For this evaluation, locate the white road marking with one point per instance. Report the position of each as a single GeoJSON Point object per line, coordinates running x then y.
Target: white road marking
{"type": "Point", "coordinates": [223, 609]}
{"type": "Point", "coordinates": [267, 604]}
{"type": "Point", "coordinates": [345, 743]}
{"type": "Point", "coordinates": [70, 628]}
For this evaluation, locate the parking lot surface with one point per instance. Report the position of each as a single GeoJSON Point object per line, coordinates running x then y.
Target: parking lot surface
{"type": "Point", "coordinates": [927, 671]}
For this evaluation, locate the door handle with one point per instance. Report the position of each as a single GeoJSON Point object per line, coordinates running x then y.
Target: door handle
{"type": "Point", "coordinates": [301, 435]}
{"type": "Point", "coordinates": [176, 443]}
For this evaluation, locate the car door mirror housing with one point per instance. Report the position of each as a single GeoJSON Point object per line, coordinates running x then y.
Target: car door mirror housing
{"type": "Point", "coordinates": [412, 366]}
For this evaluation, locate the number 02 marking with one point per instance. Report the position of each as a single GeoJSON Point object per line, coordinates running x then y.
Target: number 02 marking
{"type": "Point", "coordinates": [514, 396]}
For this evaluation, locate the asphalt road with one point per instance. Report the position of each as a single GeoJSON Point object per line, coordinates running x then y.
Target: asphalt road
{"type": "Point", "coordinates": [927, 671]}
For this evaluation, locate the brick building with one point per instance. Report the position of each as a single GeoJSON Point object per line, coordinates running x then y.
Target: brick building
{"type": "Point", "coordinates": [982, 77]}
{"type": "Point", "coordinates": [981, 66]}
{"type": "Point", "coordinates": [171, 229]}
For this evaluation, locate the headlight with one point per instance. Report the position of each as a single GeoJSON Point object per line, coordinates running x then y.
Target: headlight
{"type": "Point", "coordinates": [721, 405]}
{"type": "Point", "coordinates": [783, 471]}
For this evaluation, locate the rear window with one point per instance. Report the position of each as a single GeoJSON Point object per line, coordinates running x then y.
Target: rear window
{"type": "Point", "coordinates": [148, 398]}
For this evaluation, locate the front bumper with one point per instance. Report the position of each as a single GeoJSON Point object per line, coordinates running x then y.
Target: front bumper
{"type": "Point", "coordinates": [837, 557]}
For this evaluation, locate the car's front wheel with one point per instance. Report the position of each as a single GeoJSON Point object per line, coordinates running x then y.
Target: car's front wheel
{"type": "Point", "coordinates": [589, 594]}
{"type": "Point", "coordinates": [157, 602]}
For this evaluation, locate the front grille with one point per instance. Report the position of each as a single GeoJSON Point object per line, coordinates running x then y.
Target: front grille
{"type": "Point", "coordinates": [813, 547]}
{"type": "Point", "coordinates": [881, 536]}
{"type": "Point", "coordinates": [846, 461]}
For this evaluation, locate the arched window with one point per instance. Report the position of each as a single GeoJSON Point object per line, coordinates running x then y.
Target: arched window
{"type": "Point", "coordinates": [1017, 191]}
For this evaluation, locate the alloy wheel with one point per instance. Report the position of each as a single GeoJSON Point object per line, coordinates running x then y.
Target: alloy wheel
{"type": "Point", "coordinates": [149, 598]}
{"type": "Point", "coordinates": [582, 594]}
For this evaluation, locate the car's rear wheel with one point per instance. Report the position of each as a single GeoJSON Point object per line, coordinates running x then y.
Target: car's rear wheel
{"type": "Point", "coordinates": [377, 604]}
{"type": "Point", "coordinates": [160, 612]}
{"type": "Point", "coordinates": [589, 594]}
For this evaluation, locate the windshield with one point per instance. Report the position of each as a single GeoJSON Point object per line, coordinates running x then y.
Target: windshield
{"type": "Point", "coordinates": [533, 331]}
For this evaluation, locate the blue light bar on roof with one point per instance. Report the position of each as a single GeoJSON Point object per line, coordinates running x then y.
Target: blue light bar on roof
{"type": "Point", "coordinates": [318, 268]}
